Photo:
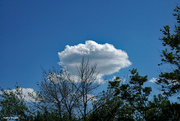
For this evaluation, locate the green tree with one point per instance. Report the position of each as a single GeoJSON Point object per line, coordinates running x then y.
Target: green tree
{"type": "Point", "coordinates": [13, 105]}
{"type": "Point", "coordinates": [170, 80]}
{"type": "Point", "coordinates": [107, 106]}
{"type": "Point", "coordinates": [136, 95]}
{"type": "Point", "coordinates": [161, 109]}
{"type": "Point", "coordinates": [123, 101]}
{"type": "Point", "coordinates": [46, 115]}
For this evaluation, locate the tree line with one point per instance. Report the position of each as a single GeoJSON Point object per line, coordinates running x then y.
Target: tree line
{"type": "Point", "coordinates": [63, 97]}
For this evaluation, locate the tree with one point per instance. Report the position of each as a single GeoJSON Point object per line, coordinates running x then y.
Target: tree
{"type": "Point", "coordinates": [87, 83]}
{"type": "Point", "coordinates": [57, 93]}
{"type": "Point", "coordinates": [136, 95]}
{"type": "Point", "coordinates": [13, 105]}
{"type": "Point", "coordinates": [48, 116]}
{"type": "Point", "coordinates": [127, 101]}
{"type": "Point", "coordinates": [161, 109]}
{"type": "Point", "coordinates": [108, 104]}
{"type": "Point", "coordinates": [61, 93]}
{"type": "Point", "coordinates": [170, 80]}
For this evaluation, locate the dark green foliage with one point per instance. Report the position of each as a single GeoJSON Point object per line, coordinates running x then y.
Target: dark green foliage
{"type": "Point", "coordinates": [129, 102]}
{"type": "Point", "coordinates": [123, 101]}
{"type": "Point", "coordinates": [135, 95]}
{"type": "Point", "coordinates": [170, 80]}
{"type": "Point", "coordinates": [12, 106]}
{"type": "Point", "coordinates": [106, 107]}
{"type": "Point", "coordinates": [161, 109]}
{"type": "Point", "coordinates": [51, 116]}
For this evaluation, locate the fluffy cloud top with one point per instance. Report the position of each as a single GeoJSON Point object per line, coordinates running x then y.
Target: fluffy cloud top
{"type": "Point", "coordinates": [108, 59]}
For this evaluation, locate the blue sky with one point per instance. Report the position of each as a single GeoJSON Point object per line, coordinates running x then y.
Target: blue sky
{"type": "Point", "coordinates": [33, 32]}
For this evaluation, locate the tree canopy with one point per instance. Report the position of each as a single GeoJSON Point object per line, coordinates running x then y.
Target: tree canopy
{"type": "Point", "coordinates": [170, 79]}
{"type": "Point", "coordinates": [62, 97]}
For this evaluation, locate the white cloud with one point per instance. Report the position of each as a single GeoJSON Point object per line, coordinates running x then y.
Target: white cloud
{"type": "Point", "coordinates": [171, 82]}
{"type": "Point", "coordinates": [153, 80]}
{"type": "Point", "coordinates": [123, 79]}
{"type": "Point", "coordinates": [24, 93]}
{"type": "Point", "coordinates": [53, 77]}
{"type": "Point", "coordinates": [91, 97]}
{"type": "Point", "coordinates": [108, 59]}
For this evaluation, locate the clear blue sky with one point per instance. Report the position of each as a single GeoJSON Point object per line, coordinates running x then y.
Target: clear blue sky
{"type": "Point", "coordinates": [32, 32]}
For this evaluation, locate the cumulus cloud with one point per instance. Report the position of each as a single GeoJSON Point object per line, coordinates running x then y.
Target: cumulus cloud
{"type": "Point", "coordinates": [153, 80]}
{"type": "Point", "coordinates": [24, 94]}
{"type": "Point", "coordinates": [108, 59]}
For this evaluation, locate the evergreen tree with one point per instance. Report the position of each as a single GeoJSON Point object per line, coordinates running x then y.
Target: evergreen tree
{"type": "Point", "coordinates": [170, 80]}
